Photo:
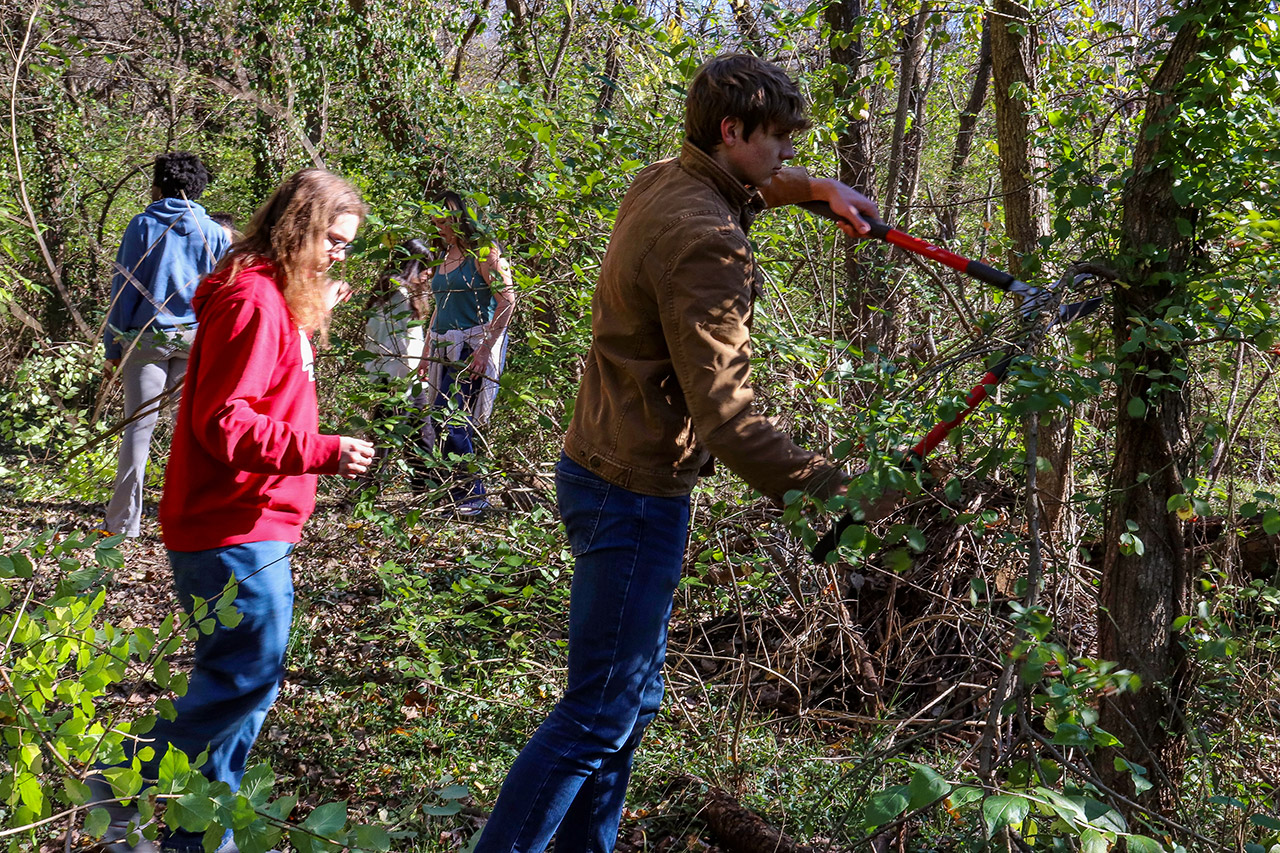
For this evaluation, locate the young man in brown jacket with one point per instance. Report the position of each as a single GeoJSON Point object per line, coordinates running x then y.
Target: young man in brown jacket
{"type": "Point", "coordinates": [666, 388]}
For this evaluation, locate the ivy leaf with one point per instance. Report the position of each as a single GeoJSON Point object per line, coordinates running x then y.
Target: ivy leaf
{"type": "Point", "coordinates": [885, 805]}
{"type": "Point", "coordinates": [366, 837]}
{"type": "Point", "coordinates": [1004, 810]}
{"type": "Point", "coordinates": [926, 787]}
{"type": "Point", "coordinates": [326, 821]}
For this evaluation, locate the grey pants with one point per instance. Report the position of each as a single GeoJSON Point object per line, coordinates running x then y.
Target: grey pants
{"type": "Point", "coordinates": [146, 373]}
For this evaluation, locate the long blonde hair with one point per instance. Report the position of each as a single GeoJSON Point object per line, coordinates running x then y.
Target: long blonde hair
{"type": "Point", "coordinates": [290, 231]}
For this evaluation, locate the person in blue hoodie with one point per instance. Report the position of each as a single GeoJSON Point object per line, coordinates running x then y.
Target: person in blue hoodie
{"type": "Point", "coordinates": [165, 252]}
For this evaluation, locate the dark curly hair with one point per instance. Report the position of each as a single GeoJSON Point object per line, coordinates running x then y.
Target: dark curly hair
{"type": "Point", "coordinates": [181, 174]}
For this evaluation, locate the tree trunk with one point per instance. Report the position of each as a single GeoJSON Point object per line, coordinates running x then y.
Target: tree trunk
{"type": "Point", "coordinates": [748, 25]}
{"type": "Point", "coordinates": [609, 85]}
{"type": "Point", "coordinates": [520, 35]}
{"type": "Point", "coordinates": [909, 96]}
{"type": "Point", "coordinates": [51, 185]}
{"type": "Point", "coordinates": [570, 16]}
{"type": "Point", "coordinates": [270, 144]}
{"type": "Point", "coordinates": [1013, 63]}
{"type": "Point", "coordinates": [472, 29]}
{"type": "Point", "coordinates": [1026, 216]}
{"type": "Point", "coordinates": [1144, 592]}
{"type": "Point", "coordinates": [865, 292]}
{"type": "Point", "coordinates": [964, 138]}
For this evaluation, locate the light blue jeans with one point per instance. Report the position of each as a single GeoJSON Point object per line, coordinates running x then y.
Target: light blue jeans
{"type": "Point", "coordinates": [571, 779]}
{"type": "Point", "coordinates": [237, 671]}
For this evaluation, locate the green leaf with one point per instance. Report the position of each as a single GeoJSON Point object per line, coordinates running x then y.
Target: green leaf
{"type": "Point", "coordinates": [885, 805]}
{"type": "Point", "coordinates": [1137, 407]}
{"type": "Point", "coordinates": [1264, 821]}
{"type": "Point", "coordinates": [77, 791]}
{"type": "Point", "coordinates": [961, 797]}
{"type": "Point", "coordinates": [448, 809]}
{"type": "Point", "coordinates": [1092, 841]}
{"type": "Point", "coordinates": [1143, 844]}
{"type": "Point", "coordinates": [926, 786]}
{"type": "Point", "coordinates": [327, 820]}
{"type": "Point", "coordinates": [257, 783]}
{"type": "Point", "coordinates": [192, 812]}
{"type": "Point", "coordinates": [453, 792]}
{"type": "Point", "coordinates": [97, 822]}
{"type": "Point", "coordinates": [1271, 522]}
{"type": "Point", "coordinates": [1004, 810]}
{"type": "Point", "coordinates": [365, 837]}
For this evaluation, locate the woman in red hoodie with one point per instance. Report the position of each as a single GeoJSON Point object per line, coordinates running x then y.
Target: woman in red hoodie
{"type": "Point", "coordinates": [247, 449]}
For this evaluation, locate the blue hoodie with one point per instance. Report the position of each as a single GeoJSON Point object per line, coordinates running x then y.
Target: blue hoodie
{"type": "Point", "coordinates": [164, 253]}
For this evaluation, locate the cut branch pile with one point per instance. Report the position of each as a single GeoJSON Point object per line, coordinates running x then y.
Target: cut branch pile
{"type": "Point", "coordinates": [923, 633]}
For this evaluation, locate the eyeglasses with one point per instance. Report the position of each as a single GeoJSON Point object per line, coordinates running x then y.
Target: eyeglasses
{"type": "Point", "coordinates": [333, 245]}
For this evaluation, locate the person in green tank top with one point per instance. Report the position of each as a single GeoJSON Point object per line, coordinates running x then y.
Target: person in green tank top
{"type": "Point", "coordinates": [473, 299]}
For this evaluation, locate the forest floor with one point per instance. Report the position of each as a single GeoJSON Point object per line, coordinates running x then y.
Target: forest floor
{"type": "Point", "coordinates": [418, 668]}
{"type": "Point", "coordinates": [426, 649]}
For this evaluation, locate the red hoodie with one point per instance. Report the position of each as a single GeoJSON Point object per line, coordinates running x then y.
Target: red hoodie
{"type": "Point", "coordinates": [246, 447]}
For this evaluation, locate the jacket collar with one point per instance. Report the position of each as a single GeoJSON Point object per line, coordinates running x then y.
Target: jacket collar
{"type": "Point", "coordinates": [745, 201]}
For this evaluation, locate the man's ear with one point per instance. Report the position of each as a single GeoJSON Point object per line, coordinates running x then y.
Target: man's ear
{"type": "Point", "coordinates": [731, 131]}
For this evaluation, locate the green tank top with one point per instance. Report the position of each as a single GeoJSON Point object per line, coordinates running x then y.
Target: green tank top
{"type": "Point", "coordinates": [462, 298]}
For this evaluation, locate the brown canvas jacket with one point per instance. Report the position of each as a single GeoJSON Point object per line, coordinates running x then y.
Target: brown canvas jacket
{"type": "Point", "coordinates": [667, 383]}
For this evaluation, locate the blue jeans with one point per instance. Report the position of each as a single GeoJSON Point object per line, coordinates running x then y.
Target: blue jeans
{"type": "Point", "coordinates": [237, 671]}
{"type": "Point", "coordinates": [456, 397]}
{"type": "Point", "coordinates": [571, 778]}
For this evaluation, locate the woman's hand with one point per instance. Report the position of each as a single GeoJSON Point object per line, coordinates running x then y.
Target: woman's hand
{"type": "Point", "coordinates": [338, 291]}
{"type": "Point", "coordinates": [355, 456]}
{"type": "Point", "coordinates": [480, 360]}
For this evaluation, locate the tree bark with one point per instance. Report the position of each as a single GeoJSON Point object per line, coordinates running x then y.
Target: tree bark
{"type": "Point", "coordinates": [1143, 593]}
{"type": "Point", "coordinates": [909, 96]}
{"type": "Point", "coordinates": [741, 830]}
{"type": "Point", "coordinates": [472, 29]}
{"type": "Point", "coordinates": [964, 137]}
{"type": "Point", "coordinates": [1013, 63]}
{"type": "Point", "coordinates": [869, 304]}
{"type": "Point", "coordinates": [748, 26]}
{"type": "Point", "coordinates": [520, 35]}
{"type": "Point", "coordinates": [609, 84]}
{"type": "Point", "coordinates": [1026, 215]}
{"type": "Point", "coordinates": [570, 16]}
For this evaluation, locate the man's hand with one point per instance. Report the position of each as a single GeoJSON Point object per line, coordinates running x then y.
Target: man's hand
{"type": "Point", "coordinates": [847, 203]}
{"type": "Point", "coordinates": [355, 457]}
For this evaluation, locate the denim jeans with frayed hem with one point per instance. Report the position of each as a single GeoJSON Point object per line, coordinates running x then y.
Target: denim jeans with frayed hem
{"type": "Point", "coordinates": [571, 778]}
{"type": "Point", "coordinates": [237, 671]}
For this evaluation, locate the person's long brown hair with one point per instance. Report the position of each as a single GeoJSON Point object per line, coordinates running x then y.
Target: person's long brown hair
{"type": "Point", "coordinates": [290, 231]}
{"type": "Point", "coordinates": [465, 228]}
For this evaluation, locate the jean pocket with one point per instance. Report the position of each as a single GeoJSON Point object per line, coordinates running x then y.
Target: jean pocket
{"type": "Point", "coordinates": [581, 501]}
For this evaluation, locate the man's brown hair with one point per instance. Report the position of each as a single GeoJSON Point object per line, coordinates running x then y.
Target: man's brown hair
{"type": "Point", "coordinates": [746, 87]}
